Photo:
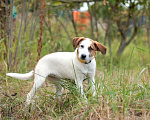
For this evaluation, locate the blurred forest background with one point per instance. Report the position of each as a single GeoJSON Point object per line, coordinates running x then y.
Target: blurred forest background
{"type": "Point", "coordinates": [121, 25]}
{"type": "Point", "coordinates": [30, 29]}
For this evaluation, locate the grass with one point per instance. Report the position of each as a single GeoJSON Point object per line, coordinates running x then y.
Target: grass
{"type": "Point", "coordinates": [121, 94]}
{"type": "Point", "coordinates": [122, 85]}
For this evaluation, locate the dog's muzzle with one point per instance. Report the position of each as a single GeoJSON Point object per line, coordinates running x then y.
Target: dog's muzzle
{"type": "Point", "coordinates": [83, 56]}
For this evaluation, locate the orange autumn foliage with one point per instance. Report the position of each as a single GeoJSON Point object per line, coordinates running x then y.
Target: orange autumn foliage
{"type": "Point", "coordinates": [82, 19]}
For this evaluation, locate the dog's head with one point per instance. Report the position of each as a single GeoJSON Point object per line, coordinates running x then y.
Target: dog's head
{"type": "Point", "coordinates": [86, 48]}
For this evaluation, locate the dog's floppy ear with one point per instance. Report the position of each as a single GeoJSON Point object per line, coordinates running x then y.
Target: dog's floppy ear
{"type": "Point", "coordinates": [77, 40]}
{"type": "Point", "coordinates": [100, 47]}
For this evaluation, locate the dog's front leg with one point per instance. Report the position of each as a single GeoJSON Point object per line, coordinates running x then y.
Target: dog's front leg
{"type": "Point", "coordinates": [80, 86]}
{"type": "Point", "coordinates": [92, 83]}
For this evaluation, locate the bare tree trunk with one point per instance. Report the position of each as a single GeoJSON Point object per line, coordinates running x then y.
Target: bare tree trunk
{"type": "Point", "coordinates": [11, 33]}
{"type": "Point", "coordinates": [124, 42]}
{"type": "Point", "coordinates": [25, 26]}
{"type": "Point", "coordinates": [6, 31]}
{"type": "Point", "coordinates": [34, 14]}
{"type": "Point", "coordinates": [92, 26]}
{"type": "Point", "coordinates": [3, 19]}
{"type": "Point", "coordinates": [2, 12]}
{"type": "Point", "coordinates": [109, 42]}
{"type": "Point", "coordinates": [73, 23]}
{"type": "Point", "coordinates": [96, 21]}
{"type": "Point", "coordinates": [106, 34]}
{"type": "Point", "coordinates": [34, 24]}
{"type": "Point", "coordinates": [7, 16]}
{"type": "Point", "coordinates": [121, 47]}
{"type": "Point", "coordinates": [22, 16]}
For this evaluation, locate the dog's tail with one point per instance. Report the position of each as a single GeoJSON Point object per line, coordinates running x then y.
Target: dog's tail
{"type": "Point", "coordinates": [22, 76]}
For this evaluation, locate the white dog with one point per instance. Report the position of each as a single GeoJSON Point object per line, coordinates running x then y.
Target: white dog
{"type": "Point", "coordinates": [75, 65]}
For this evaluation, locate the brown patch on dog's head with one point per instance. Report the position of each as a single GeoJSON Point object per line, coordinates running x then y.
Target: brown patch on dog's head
{"type": "Point", "coordinates": [77, 41]}
{"type": "Point", "coordinates": [92, 49]}
{"type": "Point", "coordinates": [96, 46]}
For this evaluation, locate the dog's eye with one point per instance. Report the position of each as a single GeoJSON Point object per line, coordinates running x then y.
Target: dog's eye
{"type": "Point", "coordinates": [82, 46]}
{"type": "Point", "coordinates": [90, 49]}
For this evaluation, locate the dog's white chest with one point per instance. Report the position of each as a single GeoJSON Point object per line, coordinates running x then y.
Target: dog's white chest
{"type": "Point", "coordinates": [86, 68]}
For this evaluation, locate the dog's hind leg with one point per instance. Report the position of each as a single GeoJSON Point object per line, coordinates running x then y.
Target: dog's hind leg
{"type": "Point", "coordinates": [59, 90]}
{"type": "Point", "coordinates": [38, 82]}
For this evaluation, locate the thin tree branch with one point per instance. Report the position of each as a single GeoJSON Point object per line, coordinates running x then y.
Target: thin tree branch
{"type": "Point", "coordinates": [64, 29]}
{"type": "Point", "coordinates": [73, 23]}
{"type": "Point", "coordinates": [134, 32]}
{"type": "Point", "coordinates": [49, 29]}
{"type": "Point", "coordinates": [25, 22]}
{"type": "Point", "coordinates": [77, 1]}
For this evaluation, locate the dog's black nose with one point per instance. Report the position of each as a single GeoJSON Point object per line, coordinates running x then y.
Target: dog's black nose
{"type": "Point", "coordinates": [83, 56]}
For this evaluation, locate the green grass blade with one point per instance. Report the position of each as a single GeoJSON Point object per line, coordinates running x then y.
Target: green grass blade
{"type": "Point", "coordinates": [135, 82]}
